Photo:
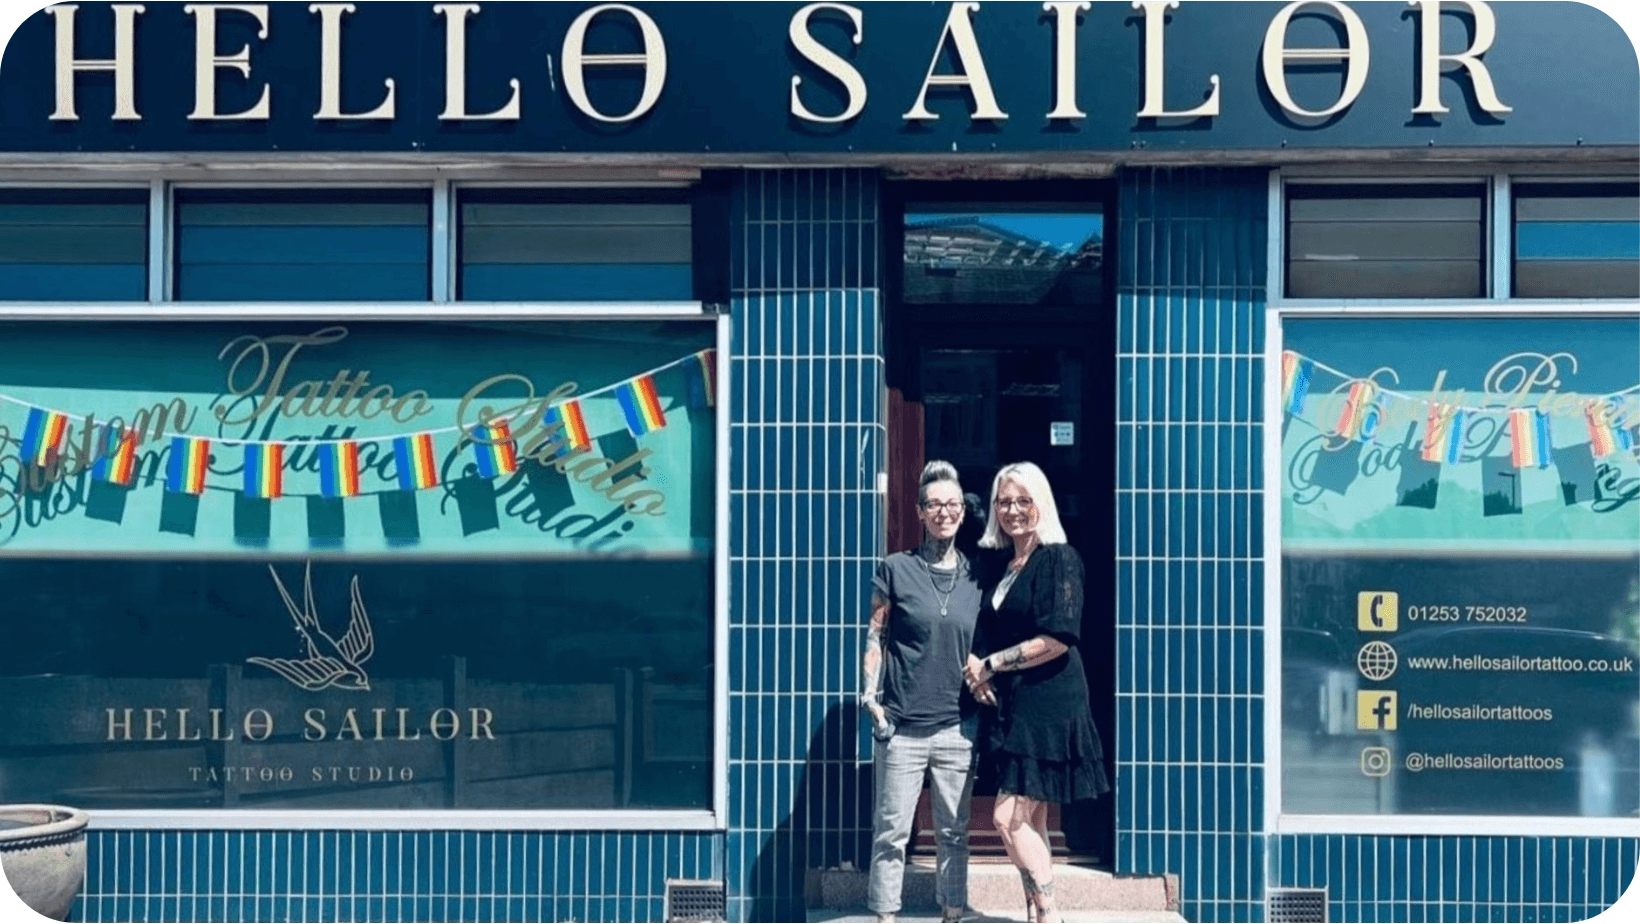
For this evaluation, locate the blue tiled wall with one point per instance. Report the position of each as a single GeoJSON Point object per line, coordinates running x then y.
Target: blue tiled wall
{"type": "Point", "coordinates": [1190, 720]}
{"type": "Point", "coordinates": [1189, 742]}
{"type": "Point", "coordinates": [387, 875]}
{"type": "Point", "coordinates": [807, 442]}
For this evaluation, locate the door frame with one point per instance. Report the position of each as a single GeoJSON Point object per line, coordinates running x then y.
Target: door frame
{"type": "Point", "coordinates": [906, 328]}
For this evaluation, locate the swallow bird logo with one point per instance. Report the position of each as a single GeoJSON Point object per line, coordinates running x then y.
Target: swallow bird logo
{"type": "Point", "coordinates": [329, 662]}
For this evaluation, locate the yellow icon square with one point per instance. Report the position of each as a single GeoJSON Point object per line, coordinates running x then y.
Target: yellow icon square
{"type": "Point", "coordinates": [1375, 710]}
{"type": "Point", "coordinates": [1378, 611]}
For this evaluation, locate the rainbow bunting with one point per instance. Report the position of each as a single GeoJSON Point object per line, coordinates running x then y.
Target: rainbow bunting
{"type": "Point", "coordinates": [116, 454]}
{"type": "Point", "coordinates": [571, 423]}
{"type": "Point", "coordinates": [185, 474]}
{"type": "Point", "coordinates": [43, 436]}
{"type": "Point", "coordinates": [414, 455]}
{"type": "Point", "coordinates": [264, 470]}
{"type": "Point", "coordinates": [703, 379]}
{"type": "Point", "coordinates": [1295, 381]}
{"type": "Point", "coordinates": [339, 469]}
{"type": "Point", "coordinates": [495, 450]}
{"type": "Point", "coordinates": [1352, 422]}
{"type": "Point", "coordinates": [1604, 437]}
{"type": "Point", "coordinates": [1529, 438]}
{"type": "Point", "coordinates": [640, 405]}
{"type": "Point", "coordinates": [1443, 434]}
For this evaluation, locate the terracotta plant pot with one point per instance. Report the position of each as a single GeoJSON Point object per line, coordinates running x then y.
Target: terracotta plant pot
{"type": "Point", "coordinates": [42, 850]}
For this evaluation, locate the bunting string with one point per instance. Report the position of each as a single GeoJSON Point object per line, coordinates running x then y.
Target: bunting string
{"type": "Point", "coordinates": [44, 431]}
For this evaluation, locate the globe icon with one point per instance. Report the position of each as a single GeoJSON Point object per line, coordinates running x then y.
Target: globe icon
{"type": "Point", "coordinates": [1376, 661]}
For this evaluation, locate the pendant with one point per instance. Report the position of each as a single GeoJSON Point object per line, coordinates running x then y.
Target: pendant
{"type": "Point", "coordinates": [942, 611]}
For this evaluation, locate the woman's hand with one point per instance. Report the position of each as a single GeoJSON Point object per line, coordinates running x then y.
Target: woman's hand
{"type": "Point", "coordinates": [985, 694]}
{"type": "Point", "coordinates": [976, 672]}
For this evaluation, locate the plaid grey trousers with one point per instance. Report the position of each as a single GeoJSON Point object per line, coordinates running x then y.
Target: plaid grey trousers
{"type": "Point", "coordinates": [946, 757]}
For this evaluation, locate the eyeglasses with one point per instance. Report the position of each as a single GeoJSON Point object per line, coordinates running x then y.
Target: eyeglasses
{"type": "Point", "coordinates": [1015, 503]}
{"type": "Point", "coordinates": [949, 508]}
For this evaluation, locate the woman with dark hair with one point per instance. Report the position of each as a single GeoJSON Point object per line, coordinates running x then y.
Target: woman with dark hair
{"type": "Point", "coordinates": [923, 605]}
{"type": "Point", "coordinates": [1042, 741]}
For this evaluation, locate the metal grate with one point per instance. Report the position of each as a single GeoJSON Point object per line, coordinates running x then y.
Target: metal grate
{"type": "Point", "coordinates": [1296, 906]}
{"type": "Point", "coordinates": [695, 900]}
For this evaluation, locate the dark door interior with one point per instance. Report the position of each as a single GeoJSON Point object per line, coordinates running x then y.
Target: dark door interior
{"type": "Point", "coordinates": [1002, 349]}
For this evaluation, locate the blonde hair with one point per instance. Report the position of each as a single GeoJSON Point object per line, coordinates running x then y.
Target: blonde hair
{"type": "Point", "coordinates": [1028, 476]}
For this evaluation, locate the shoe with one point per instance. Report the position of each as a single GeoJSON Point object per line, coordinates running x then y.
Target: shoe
{"type": "Point", "coordinates": [950, 915]}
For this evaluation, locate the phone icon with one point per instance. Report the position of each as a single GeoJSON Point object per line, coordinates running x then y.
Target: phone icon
{"type": "Point", "coordinates": [1378, 611]}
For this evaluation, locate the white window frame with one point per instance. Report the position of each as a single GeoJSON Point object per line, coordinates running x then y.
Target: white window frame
{"type": "Point", "coordinates": [160, 307]}
{"type": "Point", "coordinates": [1279, 309]}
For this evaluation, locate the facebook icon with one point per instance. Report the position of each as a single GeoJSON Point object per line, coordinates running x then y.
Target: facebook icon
{"type": "Point", "coordinates": [1375, 710]}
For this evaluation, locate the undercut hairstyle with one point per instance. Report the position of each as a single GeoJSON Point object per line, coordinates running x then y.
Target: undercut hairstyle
{"type": "Point", "coordinates": [934, 472]}
{"type": "Point", "coordinates": [1028, 476]}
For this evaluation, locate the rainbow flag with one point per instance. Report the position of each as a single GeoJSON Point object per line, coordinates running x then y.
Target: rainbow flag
{"type": "Point", "coordinates": [640, 405]}
{"type": "Point", "coordinates": [1443, 434]}
{"type": "Point", "coordinates": [339, 469]}
{"type": "Point", "coordinates": [43, 436]}
{"type": "Point", "coordinates": [703, 379]}
{"type": "Point", "coordinates": [1352, 422]}
{"type": "Point", "coordinates": [1529, 437]}
{"type": "Point", "coordinates": [186, 472]}
{"type": "Point", "coordinates": [1604, 437]}
{"type": "Point", "coordinates": [1295, 381]}
{"type": "Point", "coordinates": [573, 426]}
{"type": "Point", "coordinates": [495, 450]}
{"type": "Point", "coordinates": [414, 455]}
{"type": "Point", "coordinates": [116, 451]}
{"type": "Point", "coordinates": [264, 470]}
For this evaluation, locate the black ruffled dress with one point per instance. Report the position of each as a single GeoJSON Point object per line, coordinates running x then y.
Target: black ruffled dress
{"type": "Point", "coordinates": [1041, 741]}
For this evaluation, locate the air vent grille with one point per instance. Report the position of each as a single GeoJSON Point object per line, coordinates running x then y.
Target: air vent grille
{"type": "Point", "coordinates": [1297, 906]}
{"type": "Point", "coordinates": [690, 900]}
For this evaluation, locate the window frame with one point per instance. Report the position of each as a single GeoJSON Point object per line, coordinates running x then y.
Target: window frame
{"type": "Point", "coordinates": [1278, 311]}
{"type": "Point", "coordinates": [161, 306]}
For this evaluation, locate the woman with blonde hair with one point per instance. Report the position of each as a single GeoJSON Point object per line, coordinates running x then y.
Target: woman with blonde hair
{"type": "Point", "coordinates": [1024, 662]}
{"type": "Point", "coordinates": [923, 606]}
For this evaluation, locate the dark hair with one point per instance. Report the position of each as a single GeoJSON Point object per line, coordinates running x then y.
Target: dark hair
{"type": "Point", "coordinates": [935, 472]}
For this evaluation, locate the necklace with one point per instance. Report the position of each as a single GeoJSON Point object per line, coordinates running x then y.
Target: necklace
{"type": "Point", "coordinates": [945, 604]}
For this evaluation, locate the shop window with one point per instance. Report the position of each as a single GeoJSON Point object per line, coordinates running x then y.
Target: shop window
{"type": "Point", "coordinates": [1386, 241]}
{"type": "Point", "coordinates": [986, 254]}
{"type": "Point", "coordinates": [302, 245]}
{"type": "Point", "coordinates": [1577, 241]}
{"type": "Point", "coordinates": [1459, 580]}
{"type": "Point", "coordinates": [73, 245]}
{"type": "Point", "coordinates": [309, 580]}
{"type": "Point", "coordinates": [575, 245]}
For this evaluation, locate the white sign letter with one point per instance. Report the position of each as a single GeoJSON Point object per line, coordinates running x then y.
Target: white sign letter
{"type": "Point", "coordinates": [652, 59]}
{"type": "Point", "coordinates": [828, 61]}
{"type": "Point", "coordinates": [1430, 58]}
{"type": "Point", "coordinates": [330, 67]}
{"type": "Point", "coordinates": [123, 64]}
{"type": "Point", "coordinates": [207, 61]}
{"type": "Point", "coordinates": [1064, 56]}
{"type": "Point", "coordinates": [1155, 69]}
{"type": "Point", "coordinates": [455, 66]}
{"type": "Point", "coordinates": [1355, 51]}
{"type": "Point", "coordinates": [960, 31]}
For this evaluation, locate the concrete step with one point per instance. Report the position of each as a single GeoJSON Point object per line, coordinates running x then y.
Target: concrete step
{"type": "Point", "coordinates": [995, 893]}
{"type": "Point", "coordinates": [862, 916]}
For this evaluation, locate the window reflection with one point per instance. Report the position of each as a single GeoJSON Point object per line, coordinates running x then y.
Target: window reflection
{"type": "Point", "coordinates": [964, 255]}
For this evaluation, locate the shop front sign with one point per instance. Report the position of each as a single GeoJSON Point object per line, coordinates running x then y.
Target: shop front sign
{"type": "Point", "coordinates": [820, 77]}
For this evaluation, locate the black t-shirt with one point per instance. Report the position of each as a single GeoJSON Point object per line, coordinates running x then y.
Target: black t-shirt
{"type": "Point", "coordinates": [925, 651]}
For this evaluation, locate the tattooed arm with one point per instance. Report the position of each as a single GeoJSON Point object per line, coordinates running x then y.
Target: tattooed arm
{"type": "Point", "coordinates": [871, 664]}
{"type": "Point", "coordinates": [1029, 653]}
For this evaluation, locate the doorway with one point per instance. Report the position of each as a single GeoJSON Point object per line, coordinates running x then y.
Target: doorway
{"type": "Point", "coordinates": [1001, 348]}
